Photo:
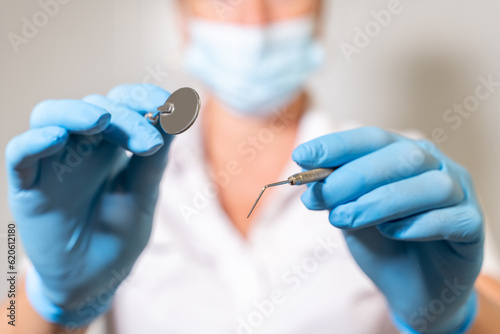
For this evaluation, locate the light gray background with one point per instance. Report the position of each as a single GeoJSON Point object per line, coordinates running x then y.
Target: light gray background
{"type": "Point", "coordinates": [429, 57]}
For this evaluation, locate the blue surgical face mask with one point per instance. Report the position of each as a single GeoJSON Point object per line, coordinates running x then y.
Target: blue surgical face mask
{"type": "Point", "coordinates": [253, 69]}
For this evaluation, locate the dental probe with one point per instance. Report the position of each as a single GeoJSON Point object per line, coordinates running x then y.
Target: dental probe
{"type": "Point", "coordinates": [298, 179]}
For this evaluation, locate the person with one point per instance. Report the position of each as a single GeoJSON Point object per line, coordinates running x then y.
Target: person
{"type": "Point", "coordinates": [404, 251]}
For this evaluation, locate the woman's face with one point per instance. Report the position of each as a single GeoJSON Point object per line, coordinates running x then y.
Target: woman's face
{"type": "Point", "coordinates": [250, 12]}
{"type": "Point", "coordinates": [235, 47]}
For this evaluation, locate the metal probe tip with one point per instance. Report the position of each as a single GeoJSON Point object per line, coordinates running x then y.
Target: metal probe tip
{"type": "Point", "coordinates": [264, 189]}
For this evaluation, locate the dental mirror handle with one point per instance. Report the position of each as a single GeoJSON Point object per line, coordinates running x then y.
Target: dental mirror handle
{"type": "Point", "coordinates": [309, 176]}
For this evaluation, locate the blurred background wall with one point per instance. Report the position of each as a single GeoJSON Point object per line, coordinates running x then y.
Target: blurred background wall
{"type": "Point", "coordinates": [427, 57]}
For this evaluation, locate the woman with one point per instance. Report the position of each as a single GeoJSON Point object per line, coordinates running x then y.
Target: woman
{"type": "Point", "coordinates": [85, 210]}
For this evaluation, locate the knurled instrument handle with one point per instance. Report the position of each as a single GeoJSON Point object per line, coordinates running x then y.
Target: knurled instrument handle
{"type": "Point", "coordinates": [309, 176]}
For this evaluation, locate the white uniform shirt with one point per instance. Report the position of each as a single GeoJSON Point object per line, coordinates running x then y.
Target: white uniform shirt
{"type": "Point", "coordinates": [292, 275]}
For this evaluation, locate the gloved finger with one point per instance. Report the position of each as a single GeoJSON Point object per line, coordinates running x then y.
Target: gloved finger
{"type": "Point", "coordinates": [427, 191]}
{"type": "Point", "coordinates": [74, 115]}
{"type": "Point", "coordinates": [23, 153]}
{"type": "Point", "coordinates": [461, 223]}
{"type": "Point", "coordinates": [397, 161]}
{"type": "Point", "coordinates": [144, 173]}
{"type": "Point", "coordinates": [339, 148]}
{"type": "Point", "coordinates": [128, 129]}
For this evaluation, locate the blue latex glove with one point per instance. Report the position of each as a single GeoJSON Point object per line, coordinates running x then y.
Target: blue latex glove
{"type": "Point", "coordinates": [411, 221]}
{"type": "Point", "coordinates": [84, 209]}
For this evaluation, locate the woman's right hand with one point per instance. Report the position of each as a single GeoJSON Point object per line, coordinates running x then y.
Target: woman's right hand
{"type": "Point", "coordinates": [84, 209]}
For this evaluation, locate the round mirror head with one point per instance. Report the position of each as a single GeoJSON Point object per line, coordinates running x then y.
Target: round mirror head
{"type": "Point", "coordinates": [180, 111]}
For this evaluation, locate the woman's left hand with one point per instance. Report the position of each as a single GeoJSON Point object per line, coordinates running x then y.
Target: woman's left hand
{"type": "Point", "coordinates": [410, 219]}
